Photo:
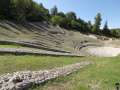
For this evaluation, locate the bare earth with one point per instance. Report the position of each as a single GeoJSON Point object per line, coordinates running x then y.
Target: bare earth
{"type": "Point", "coordinates": [104, 51]}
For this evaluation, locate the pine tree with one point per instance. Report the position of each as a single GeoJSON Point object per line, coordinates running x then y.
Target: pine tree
{"type": "Point", "coordinates": [96, 26]}
{"type": "Point", "coordinates": [89, 24]}
{"type": "Point", "coordinates": [106, 30]}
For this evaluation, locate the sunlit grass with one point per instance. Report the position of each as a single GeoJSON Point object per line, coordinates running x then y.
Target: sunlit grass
{"type": "Point", "coordinates": [10, 46]}
{"type": "Point", "coordinates": [102, 75]}
{"type": "Point", "coordinates": [11, 63]}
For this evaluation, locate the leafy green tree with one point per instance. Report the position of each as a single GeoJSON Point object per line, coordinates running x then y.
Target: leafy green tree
{"type": "Point", "coordinates": [54, 11]}
{"type": "Point", "coordinates": [61, 21]}
{"type": "Point", "coordinates": [115, 33]}
{"type": "Point", "coordinates": [75, 24]}
{"type": "Point", "coordinates": [61, 14]}
{"type": "Point", "coordinates": [4, 9]}
{"type": "Point", "coordinates": [82, 25]}
{"type": "Point", "coordinates": [57, 20]}
{"type": "Point", "coordinates": [71, 16]}
{"type": "Point", "coordinates": [19, 9]}
{"type": "Point", "coordinates": [22, 10]}
{"type": "Point", "coordinates": [28, 10]}
{"type": "Point", "coordinates": [96, 26]}
{"type": "Point", "coordinates": [38, 13]}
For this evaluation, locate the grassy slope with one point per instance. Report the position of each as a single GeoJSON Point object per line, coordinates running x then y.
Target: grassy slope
{"type": "Point", "coordinates": [10, 46]}
{"type": "Point", "coordinates": [11, 63]}
{"type": "Point", "coordinates": [43, 35]}
{"type": "Point", "coordinates": [101, 76]}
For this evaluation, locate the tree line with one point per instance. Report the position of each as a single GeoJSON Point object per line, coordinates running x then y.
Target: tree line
{"type": "Point", "coordinates": [28, 10]}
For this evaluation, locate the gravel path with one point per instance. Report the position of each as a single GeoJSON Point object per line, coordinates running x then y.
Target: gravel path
{"type": "Point", "coordinates": [25, 79]}
{"type": "Point", "coordinates": [104, 51]}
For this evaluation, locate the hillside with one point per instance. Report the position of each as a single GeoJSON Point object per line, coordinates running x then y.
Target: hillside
{"type": "Point", "coordinates": [56, 49]}
{"type": "Point", "coordinates": [26, 40]}
{"type": "Point", "coordinates": [44, 36]}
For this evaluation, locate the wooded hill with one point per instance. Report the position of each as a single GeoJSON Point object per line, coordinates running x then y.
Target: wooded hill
{"type": "Point", "coordinates": [28, 10]}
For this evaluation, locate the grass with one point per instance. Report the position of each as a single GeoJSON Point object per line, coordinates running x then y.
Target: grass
{"type": "Point", "coordinates": [102, 75]}
{"type": "Point", "coordinates": [11, 63]}
{"type": "Point", "coordinates": [10, 46]}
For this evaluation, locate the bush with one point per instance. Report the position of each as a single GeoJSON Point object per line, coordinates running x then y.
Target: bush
{"type": "Point", "coordinates": [57, 20]}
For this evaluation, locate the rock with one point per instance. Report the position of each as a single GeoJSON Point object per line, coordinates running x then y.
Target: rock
{"type": "Point", "coordinates": [23, 85]}
{"type": "Point", "coordinates": [25, 79]}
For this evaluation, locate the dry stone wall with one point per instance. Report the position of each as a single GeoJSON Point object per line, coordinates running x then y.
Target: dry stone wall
{"type": "Point", "coordinates": [23, 80]}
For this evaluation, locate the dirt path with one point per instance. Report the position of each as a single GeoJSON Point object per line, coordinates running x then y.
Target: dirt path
{"type": "Point", "coordinates": [106, 51]}
{"type": "Point", "coordinates": [109, 49]}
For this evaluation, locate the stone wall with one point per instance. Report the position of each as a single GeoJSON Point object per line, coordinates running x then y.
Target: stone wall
{"type": "Point", "coordinates": [23, 80]}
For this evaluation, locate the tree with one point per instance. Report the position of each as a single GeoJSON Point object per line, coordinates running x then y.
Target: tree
{"type": "Point", "coordinates": [71, 16]}
{"type": "Point", "coordinates": [20, 8]}
{"type": "Point", "coordinates": [54, 11]}
{"type": "Point", "coordinates": [82, 25]}
{"type": "Point", "coordinates": [96, 26]}
{"type": "Point", "coordinates": [57, 20]}
{"type": "Point", "coordinates": [61, 14]}
{"type": "Point", "coordinates": [106, 30]}
{"type": "Point", "coordinates": [61, 21]}
{"type": "Point", "coordinates": [115, 33]}
{"type": "Point", "coordinates": [28, 10]}
{"type": "Point", "coordinates": [4, 9]}
{"type": "Point", "coordinates": [75, 24]}
{"type": "Point", "coordinates": [38, 13]}
{"type": "Point", "coordinates": [89, 24]}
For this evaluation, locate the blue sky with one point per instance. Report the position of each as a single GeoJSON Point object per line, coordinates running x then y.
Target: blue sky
{"type": "Point", "coordinates": [87, 9]}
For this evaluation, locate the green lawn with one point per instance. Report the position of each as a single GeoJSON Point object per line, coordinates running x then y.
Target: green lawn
{"type": "Point", "coordinates": [102, 75]}
{"type": "Point", "coordinates": [10, 46]}
{"type": "Point", "coordinates": [11, 63]}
